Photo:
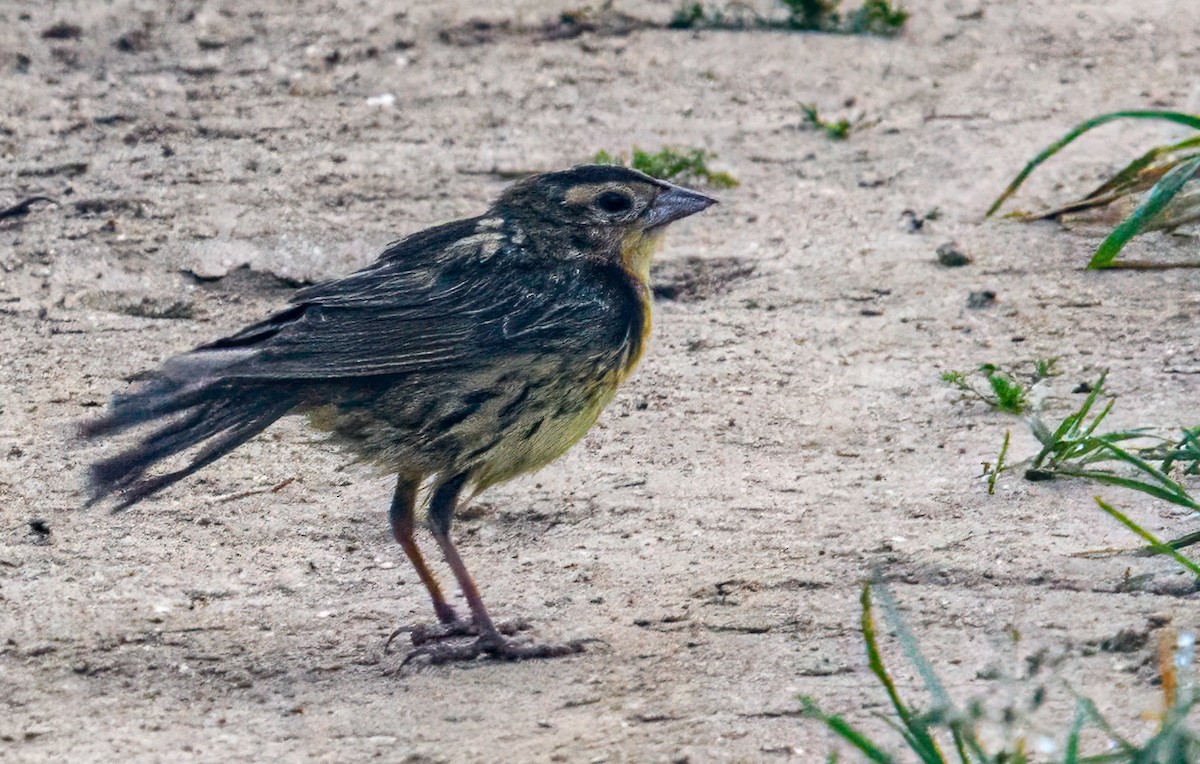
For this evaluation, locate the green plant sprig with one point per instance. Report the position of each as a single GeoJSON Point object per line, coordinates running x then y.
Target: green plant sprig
{"type": "Point", "coordinates": [1006, 394]}
{"type": "Point", "coordinates": [682, 165]}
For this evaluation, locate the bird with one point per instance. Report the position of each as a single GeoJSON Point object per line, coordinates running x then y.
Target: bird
{"type": "Point", "coordinates": [467, 354]}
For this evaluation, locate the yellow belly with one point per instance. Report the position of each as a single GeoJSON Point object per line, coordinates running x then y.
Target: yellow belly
{"type": "Point", "coordinates": [517, 454]}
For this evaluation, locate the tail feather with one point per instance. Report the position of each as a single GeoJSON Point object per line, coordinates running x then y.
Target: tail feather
{"type": "Point", "coordinates": [156, 398]}
{"type": "Point", "coordinates": [218, 415]}
{"type": "Point", "coordinates": [125, 467]}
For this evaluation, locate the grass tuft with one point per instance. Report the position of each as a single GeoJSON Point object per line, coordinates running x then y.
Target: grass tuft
{"type": "Point", "coordinates": [687, 16]}
{"type": "Point", "coordinates": [1160, 174]}
{"type": "Point", "coordinates": [877, 17]}
{"type": "Point", "coordinates": [688, 166]}
{"type": "Point", "coordinates": [812, 15]}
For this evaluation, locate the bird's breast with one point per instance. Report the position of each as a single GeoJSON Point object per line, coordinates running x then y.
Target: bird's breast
{"type": "Point", "coordinates": [553, 415]}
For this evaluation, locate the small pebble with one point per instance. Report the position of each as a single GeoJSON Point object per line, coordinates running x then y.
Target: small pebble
{"type": "Point", "coordinates": [951, 256]}
{"type": "Point", "coordinates": [983, 299]}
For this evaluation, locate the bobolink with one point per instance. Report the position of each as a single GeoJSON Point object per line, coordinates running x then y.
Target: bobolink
{"type": "Point", "coordinates": [467, 354]}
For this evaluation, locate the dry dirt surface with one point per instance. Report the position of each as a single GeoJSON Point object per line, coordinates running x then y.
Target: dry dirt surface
{"type": "Point", "coordinates": [787, 433]}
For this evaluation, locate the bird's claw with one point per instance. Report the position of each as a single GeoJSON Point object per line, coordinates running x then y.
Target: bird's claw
{"type": "Point", "coordinates": [460, 627]}
{"type": "Point", "coordinates": [497, 647]}
{"type": "Point", "coordinates": [463, 627]}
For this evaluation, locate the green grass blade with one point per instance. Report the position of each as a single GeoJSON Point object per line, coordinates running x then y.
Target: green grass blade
{"type": "Point", "coordinates": [976, 749]}
{"type": "Point", "coordinates": [845, 731]}
{"type": "Point", "coordinates": [918, 736]}
{"type": "Point", "coordinates": [941, 699]}
{"type": "Point", "coordinates": [1187, 448]}
{"type": "Point", "coordinates": [1105, 758]}
{"type": "Point", "coordinates": [1069, 427]}
{"type": "Point", "coordinates": [1139, 432]}
{"type": "Point", "coordinates": [922, 743]}
{"type": "Point", "coordinates": [1189, 120]}
{"type": "Point", "coordinates": [1099, 418]}
{"type": "Point", "coordinates": [1084, 451]}
{"type": "Point", "coordinates": [875, 658]}
{"type": "Point", "coordinates": [960, 742]}
{"type": "Point", "coordinates": [1158, 198]}
{"type": "Point", "coordinates": [1184, 210]}
{"type": "Point", "coordinates": [1125, 456]}
{"type": "Point", "coordinates": [1099, 476]}
{"type": "Point", "coordinates": [1128, 179]}
{"type": "Point", "coordinates": [1095, 448]}
{"type": "Point", "coordinates": [1071, 752]}
{"type": "Point", "coordinates": [1181, 494]}
{"type": "Point", "coordinates": [1184, 541]}
{"type": "Point", "coordinates": [1085, 409]}
{"type": "Point", "coordinates": [1089, 707]}
{"type": "Point", "coordinates": [1158, 546]}
{"type": "Point", "coordinates": [995, 473]}
{"type": "Point", "coordinates": [1056, 439]}
{"type": "Point", "coordinates": [909, 642]}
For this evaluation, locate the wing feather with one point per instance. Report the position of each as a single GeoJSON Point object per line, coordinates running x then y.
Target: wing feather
{"type": "Point", "coordinates": [419, 310]}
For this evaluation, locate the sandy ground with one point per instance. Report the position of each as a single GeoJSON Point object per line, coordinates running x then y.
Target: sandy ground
{"type": "Point", "coordinates": [787, 433]}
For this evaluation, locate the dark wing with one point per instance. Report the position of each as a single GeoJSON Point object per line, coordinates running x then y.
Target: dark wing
{"type": "Point", "coordinates": [415, 312]}
{"type": "Point", "coordinates": [440, 300]}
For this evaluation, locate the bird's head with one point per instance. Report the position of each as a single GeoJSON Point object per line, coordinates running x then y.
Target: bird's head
{"type": "Point", "coordinates": [602, 211]}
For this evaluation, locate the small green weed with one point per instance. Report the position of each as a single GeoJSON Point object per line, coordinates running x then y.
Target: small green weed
{"type": "Point", "coordinates": [1160, 174]}
{"type": "Point", "coordinates": [1005, 393]}
{"type": "Point", "coordinates": [877, 17]}
{"type": "Point", "coordinates": [838, 131]}
{"type": "Point", "coordinates": [812, 15]}
{"type": "Point", "coordinates": [682, 165]}
{"type": "Point", "coordinates": [944, 727]}
{"type": "Point", "coordinates": [687, 16]}
{"type": "Point", "coordinates": [873, 17]}
{"type": "Point", "coordinates": [700, 16]}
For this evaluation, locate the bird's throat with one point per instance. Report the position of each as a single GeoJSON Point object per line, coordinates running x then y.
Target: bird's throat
{"type": "Point", "coordinates": [637, 252]}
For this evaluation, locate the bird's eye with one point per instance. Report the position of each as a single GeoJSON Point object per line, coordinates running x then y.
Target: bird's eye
{"type": "Point", "coordinates": [613, 202]}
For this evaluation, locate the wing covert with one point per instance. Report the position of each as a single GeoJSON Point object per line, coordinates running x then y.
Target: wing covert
{"type": "Point", "coordinates": [411, 313]}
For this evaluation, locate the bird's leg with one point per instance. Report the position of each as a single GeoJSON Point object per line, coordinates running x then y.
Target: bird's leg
{"type": "Point", "coordinates": [491, 642]}
{"type": "Point", "coordinates": [401, 516]}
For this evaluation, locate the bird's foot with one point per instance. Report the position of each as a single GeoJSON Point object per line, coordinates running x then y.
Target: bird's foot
{"type": "Point", "coordinates": [495, 646]}
{"type": "Point", "coordinates": [459, 627]}
{"type": "Point", "coordinates": [462, 627]}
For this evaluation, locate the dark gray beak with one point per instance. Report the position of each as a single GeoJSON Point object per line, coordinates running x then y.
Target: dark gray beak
{"type": "Point", "coordinates": [676, 203]}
